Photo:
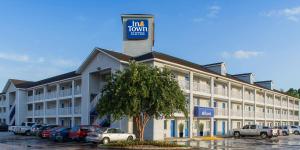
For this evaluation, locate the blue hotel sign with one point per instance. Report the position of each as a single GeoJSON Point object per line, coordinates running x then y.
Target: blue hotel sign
{"type": "Point", "coordinates": [203, 112]}
{"type": "Point", "coordinates": [137, 29]}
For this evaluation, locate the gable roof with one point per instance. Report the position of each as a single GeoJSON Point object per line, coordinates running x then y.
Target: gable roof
{"type": "Point", "coordinates": [17, 83]}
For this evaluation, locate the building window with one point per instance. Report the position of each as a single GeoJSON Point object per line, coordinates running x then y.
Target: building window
{"type": "Point", "coordinates": [165, 124]}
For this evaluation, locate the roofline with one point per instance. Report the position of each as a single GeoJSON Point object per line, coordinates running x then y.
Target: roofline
{"type": "Point", "coordinates": [213, 64]}
{"type": "Point", "coordinates": [241, 74]}
{"type": "Point", "coordinates": [220, 76]}
{"type": "Point", "coordinates": [264, 81]}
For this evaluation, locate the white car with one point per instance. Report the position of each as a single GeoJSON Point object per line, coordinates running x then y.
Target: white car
{"type": "Point", "coordinates": [106, 135]}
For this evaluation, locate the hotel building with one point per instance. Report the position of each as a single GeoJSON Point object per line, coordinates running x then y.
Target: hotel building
{"type": "Point", "coordinates": [70, 99]}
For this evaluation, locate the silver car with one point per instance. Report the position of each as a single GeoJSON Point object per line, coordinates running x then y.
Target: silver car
{"type": "Point", "coordinates": [106, 135]}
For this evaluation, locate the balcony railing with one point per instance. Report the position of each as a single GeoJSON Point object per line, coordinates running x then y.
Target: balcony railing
{"type": "Point", "coordinates": [284, 104]}
{"type": "Point", "coordinates": [277, 103]}
{"type": "Point", "coordinates": [284, 117]}
{"type": "Point", "coordinates": [260, 115]}
{"type": "Point", "coordinates": [65, 111]}
{"type": "Point", "coordinates": [77, 110]}
{"type": "Point", "coordinates": [291, 105]}
{"type": "Point", "coordinates": [38, 112]}
{"type": "Point", "coordinates": [249, 97]}
{"type": "Point", "coordinates": [221, 112]}
{"type": "Point", "coordinates": [269, 101]}
{"type": "Point", "coordinates": [185, 85]}
{"type": "Point", "coordinates": [249, 114]}
{"type": "Point", "coordinates": [270, 116]}
{"type": "Point", "coordinates": [291, 117]}
{"type": "Point", "coordinates": [236, 113]}
{"type": "Point", "coordinates": [277, 116]}
{"type": "Point", "coordinates": [200, 87]}
{"type": "Point", "coordinates": [29, 113]}
{"type": "Point", "coordinates": [65, 92]}
{"type": "Point", "coordinates": [77, 91]}
{"type": "Point", "coordinates": [51, 95]}
{"type": "Point", "coordinates": [51, 111]}
{"type": "Point", "coordinates": [30, 98]}
{"type": "Point", "coordinates": [38, 97]}
{"type": "Point", "coordinates": [259, 100]}
{"type": "Point", "coordinates": [236, 95]}
{"type": "Point", "coordinates": [220, 91]}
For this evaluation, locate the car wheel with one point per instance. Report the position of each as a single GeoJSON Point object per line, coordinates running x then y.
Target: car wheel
{"type": "Point", "coordinates": [130, 138]}
{"type": "Point", "coordinates": [296, 132]}
{"type": "Point", "coordinates": [263, 135]}
{"type": "Point", "coordinates": [105, 140]}
{"type": "Point", "coordinates": [237, 134]}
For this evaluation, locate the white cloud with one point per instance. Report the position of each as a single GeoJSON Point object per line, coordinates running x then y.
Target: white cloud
{"type": "Point", "coordinates": [64, 63]}
{"type": "Point", "coordinates": [292, 14]}
{"type": "Point", "coordinates": [14, 57]}
{"type": "Point", "coordinates": [212, 12]}
{"type": "Point", "coordinates": [241, 54]}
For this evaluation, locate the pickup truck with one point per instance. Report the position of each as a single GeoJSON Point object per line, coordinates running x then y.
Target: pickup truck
{"type": "Point", "coordinates": [23, 129]}
{"type": "Point", "coordinates": [255, 130]}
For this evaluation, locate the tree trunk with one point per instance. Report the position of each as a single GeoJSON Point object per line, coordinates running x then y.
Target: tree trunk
{"type": "Point", "coordinates": [141, 122]}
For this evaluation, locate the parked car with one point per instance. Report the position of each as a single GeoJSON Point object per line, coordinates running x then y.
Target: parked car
{"type": "Point", "coordinates": [294, 130]}
{"type": "Point", "coordinates": [24, 128]}
{"type": "Point", "coordinates": [34, 129]}
{"type": "Point", "coordinates": [282, 130]}
{"type": "Point", "coordinates": [79, 133]}
{"type": "Point", "coordinates": [43, 128]}
{"type": "Point", "coordinates": [46, 133]}
{"type": "Point", "coordinates": [3, 127]}
{"type": "Point", "coordinates": [106, 135]}
{"type": "Point", "coordinates": [60, 134]}
{"type": "Point", "coordinates": [254, 130]}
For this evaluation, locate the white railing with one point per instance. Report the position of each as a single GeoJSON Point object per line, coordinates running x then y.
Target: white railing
{"type": "Point", "coordinates": [221, 112]}
{"type": "Point", "coordinates": [29, 113]}
{"type": "Point", "coordinates": [38, 97]}
{"type": "Point", "coordinates": [249, 97]}
{"type": "Point", "coordinates": [291, 117]}
{"type": "Point", "coordinates": [296, 106]}
{"type": "Point", "coordinates": [277, 103]}
{"type": "Point", "coordinates": [291, 105]}
{"type": "Point", "coordinates": [236, 113]}
{"type": "Point", "coordinates": [201, 87]}
{"type": "Point", "coordinates": [284, 117]}
{"type": "Point", "coordinates": [185, 85]}
{"type": "Point", "coordinates": [249, 114]}
{"type": "Point", "coordinates": [269, 101]}
{"type": "Point", "coordinates": [237, 95]}
{"type": "Point", "coordinates": [284, 103]}
{"type": "Point", "coordinates": [77, 91]}
{"type": "Point", "coordinates": [259, 100]}
{"type": "Point", "coordinates": [95, 101]}
{"type": "Point", "coordinates": [220, 91]}
{"type": "Point", "coordinates": [65, 92]}
{"type": "Point", "coordinates": [296, 117]}
{"type": "Point", "coordinates": [38, 112]}
{"type": "Point", "coordinates": [51, 111]}
{"type": "Point", "coordinates": [65, 111]}
{"type": "Point", "coordinates": [277, 116]}
{"type": "Point", "coordinates": [270, 116]}
{"type": "Point", "coordinates": [30, 98]}
{"type": "Point", "coordinates": [260, 115]}
{"type": "Point", "coordinates": [51, 95]}
{"type": "Point", "coordinates": [77, 110]}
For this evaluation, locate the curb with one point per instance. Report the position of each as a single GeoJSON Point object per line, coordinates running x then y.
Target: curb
{"type": "Point", "coordinates": [145, 147]}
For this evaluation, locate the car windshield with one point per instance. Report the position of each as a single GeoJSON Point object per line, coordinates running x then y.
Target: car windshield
{"type": "Point", "coordinates": [100, 130]}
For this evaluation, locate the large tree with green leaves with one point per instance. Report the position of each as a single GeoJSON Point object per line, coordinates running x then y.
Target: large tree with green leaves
{"type": "Point", "coordinates": [293, 92]}
{"type": "Point", "coordinates": [141, 92]}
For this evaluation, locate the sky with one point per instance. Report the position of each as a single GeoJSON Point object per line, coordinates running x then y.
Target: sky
{"type": "Point", "coordinates": [40, 39]}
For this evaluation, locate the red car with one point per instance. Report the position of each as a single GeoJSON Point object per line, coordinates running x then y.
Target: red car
{"type": "Point", "coordinates": [46, 133]}
{"type": "Point", "coordinates": [79, 133]}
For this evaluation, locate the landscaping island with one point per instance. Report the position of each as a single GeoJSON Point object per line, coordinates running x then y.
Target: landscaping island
{"type": "Point", "coordinates": [144, 145]}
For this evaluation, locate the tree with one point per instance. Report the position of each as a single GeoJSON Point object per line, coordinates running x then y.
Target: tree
{"type": "Point", "coordinates": [293, 92]}
{"type": "Point", "coordinates": [141, 92]}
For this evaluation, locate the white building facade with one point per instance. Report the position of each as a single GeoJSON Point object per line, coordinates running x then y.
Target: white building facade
{"type": "Point", "coordinates": [70, 99]}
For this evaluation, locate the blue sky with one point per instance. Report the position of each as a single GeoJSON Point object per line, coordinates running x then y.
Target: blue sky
{"type": "Point", "coordinates": [39, 39]}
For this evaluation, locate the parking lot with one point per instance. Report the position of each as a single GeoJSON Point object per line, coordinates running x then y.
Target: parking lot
{"type": "Point", "coordinates": [9, 141]}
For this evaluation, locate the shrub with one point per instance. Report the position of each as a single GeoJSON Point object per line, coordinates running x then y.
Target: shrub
{"type": "Point", "coordinates": [139, 143]}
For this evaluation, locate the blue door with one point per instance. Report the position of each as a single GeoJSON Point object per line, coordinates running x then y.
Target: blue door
{"type": "Point", "coordinates": [215, 127]}
{"type": "Point", "coordinates": [223, 128]}
{"type": "Point", "coordinates": [186, 130]}
{"type": "Point", "coordinates": [173, 128]}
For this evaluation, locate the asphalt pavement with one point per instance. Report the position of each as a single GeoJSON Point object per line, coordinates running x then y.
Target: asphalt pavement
{"type": "Point", "coordinates": [9, 141]}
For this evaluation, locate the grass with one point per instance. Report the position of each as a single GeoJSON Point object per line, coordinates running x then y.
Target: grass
{"type": "Point", "coordinates": [143, 143]}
